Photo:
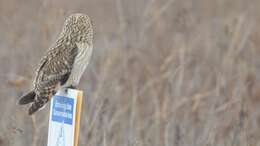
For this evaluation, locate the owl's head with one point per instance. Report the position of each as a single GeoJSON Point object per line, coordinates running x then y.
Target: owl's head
{"type": "Point", "coordinates": [78, 27]}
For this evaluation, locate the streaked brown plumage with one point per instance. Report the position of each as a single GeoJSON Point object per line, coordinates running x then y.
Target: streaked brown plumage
{"type": "Point", "coordinates": [64, 63]}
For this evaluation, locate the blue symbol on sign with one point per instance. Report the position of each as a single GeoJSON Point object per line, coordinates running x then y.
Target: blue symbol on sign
{"type": "Point", "coordinates": [62, 109]}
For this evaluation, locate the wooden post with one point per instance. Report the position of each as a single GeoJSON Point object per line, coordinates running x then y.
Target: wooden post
{"type": "Point", "coordinates": [77, 122]}
{"type": "Point", "coordinates": [64, 120]}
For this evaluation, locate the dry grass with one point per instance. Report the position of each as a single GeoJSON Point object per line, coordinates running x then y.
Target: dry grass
{"type": "Point", "coordinates": [163, 73]}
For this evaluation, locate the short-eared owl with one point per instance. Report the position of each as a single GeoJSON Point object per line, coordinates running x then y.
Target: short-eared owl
{"type": "Point", "coordinates": [64, 62]}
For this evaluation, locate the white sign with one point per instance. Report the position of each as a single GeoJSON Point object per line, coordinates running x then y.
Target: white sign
{"type": "Point", "coordinates": [63, 118]}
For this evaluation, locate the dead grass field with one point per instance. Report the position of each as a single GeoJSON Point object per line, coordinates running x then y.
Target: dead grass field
{"type": "Point", "coordinates": [164, 73]}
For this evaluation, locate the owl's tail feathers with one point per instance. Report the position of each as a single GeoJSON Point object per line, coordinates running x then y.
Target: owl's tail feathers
{"type": "Point", "coordinates": [27, 98]}
{"type": "Point", "coordinates": [38, 105]}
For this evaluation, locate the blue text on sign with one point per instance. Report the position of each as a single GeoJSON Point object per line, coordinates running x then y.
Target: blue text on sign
{"type": "Point", "coordinates": [62, 110]}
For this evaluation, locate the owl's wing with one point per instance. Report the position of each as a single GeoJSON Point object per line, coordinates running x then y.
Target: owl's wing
{"type": "Point", "coordinates": [56, 66]}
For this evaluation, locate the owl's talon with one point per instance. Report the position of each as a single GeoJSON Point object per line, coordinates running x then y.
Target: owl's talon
{"type": "Point", "coordinates": [66, 90]}
{"type": "Point", "coordinates": [69, 87]}
{"type": "Point", "coordinates": [72, 87]}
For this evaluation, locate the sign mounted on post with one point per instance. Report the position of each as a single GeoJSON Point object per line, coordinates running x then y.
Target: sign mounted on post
{"type": "Point", "coordinates": [64, 118]}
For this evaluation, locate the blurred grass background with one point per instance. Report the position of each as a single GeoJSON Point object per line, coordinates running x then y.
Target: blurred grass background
{"type": "Point", "coordinates": [163, 73]}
